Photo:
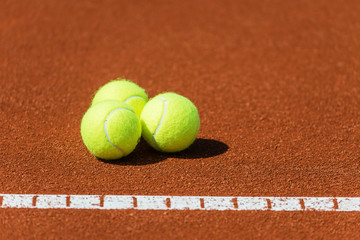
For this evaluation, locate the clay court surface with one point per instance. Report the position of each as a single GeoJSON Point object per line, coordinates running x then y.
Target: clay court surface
{"type": "Point", "coordinates": [276, 83]}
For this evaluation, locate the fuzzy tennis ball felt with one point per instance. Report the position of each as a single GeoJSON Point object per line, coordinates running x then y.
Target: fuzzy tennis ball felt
{"type": "Point", "coordinates": [170, 122]}
{"type": "Point", "coordinates": [125, 91]}
{"type": "Point", "coordinates": [110, 129]}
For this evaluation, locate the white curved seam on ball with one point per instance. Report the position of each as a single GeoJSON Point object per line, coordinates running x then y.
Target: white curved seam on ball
{"type": "Point", "coordinates": [161, 120]}
{"type": "Point", "coordinates": [106, 131]}
{"type": "Point", "coordinates": [134, 96]}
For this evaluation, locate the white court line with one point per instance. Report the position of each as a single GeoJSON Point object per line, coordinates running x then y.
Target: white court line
{"type": "Point", "coordinates": [235, 203]}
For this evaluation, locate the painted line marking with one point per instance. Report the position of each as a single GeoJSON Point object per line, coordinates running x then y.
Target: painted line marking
{"type": "Point", "coordinates": [233, 203]}
{"type": "Point", "coordinates": [17, 201]}
{"type": "Point", "coordinates": [252, 203]}
{"type": "Point", "coordinates": [218, 203]}
{"type": "Point", "coordinates": [348, 204]}
{"type": "Point", "coordinates": [185, 203]}
{"type": "Point", "coordinates": [119, 202]}
{"type": "Point", "coordinates": [286, 204]}
{"type": "Point", "coordinates": [84, 202]}
{"type": "Point", "coordinates": [51, 201]}
{"type": "Point", "coordinates": [151, 203]}
{"type": "Point", "coordinates": [319, 204]}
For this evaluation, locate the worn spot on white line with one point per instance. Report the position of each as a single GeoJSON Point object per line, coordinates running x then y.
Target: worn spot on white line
{"type": "Point", "coordinates": [34, 200]}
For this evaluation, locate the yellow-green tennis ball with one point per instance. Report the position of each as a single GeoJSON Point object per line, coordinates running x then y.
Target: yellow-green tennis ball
{"type": "Point", "coordinates": [125, 91]}
{"type": "Point", "coordinates": [170, 122]}
{"type": "Point", "coordinates": [110, 129]}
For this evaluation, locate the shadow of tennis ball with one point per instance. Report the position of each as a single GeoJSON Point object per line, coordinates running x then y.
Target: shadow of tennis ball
{"type": "Point", "coordinates": [145, 155]}
{"type": "Point", "coordinates": [142, 155]}
{"type": "Point", "coordinates": [201, 148]}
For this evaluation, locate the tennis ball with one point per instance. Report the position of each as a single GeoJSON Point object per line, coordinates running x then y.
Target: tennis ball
{"type": "Point", "coordinates": [110, 129]}
{"type": "Point", "coordinates": [125, 91]}
{"type": "Point", "coordinates": [170, 122]}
